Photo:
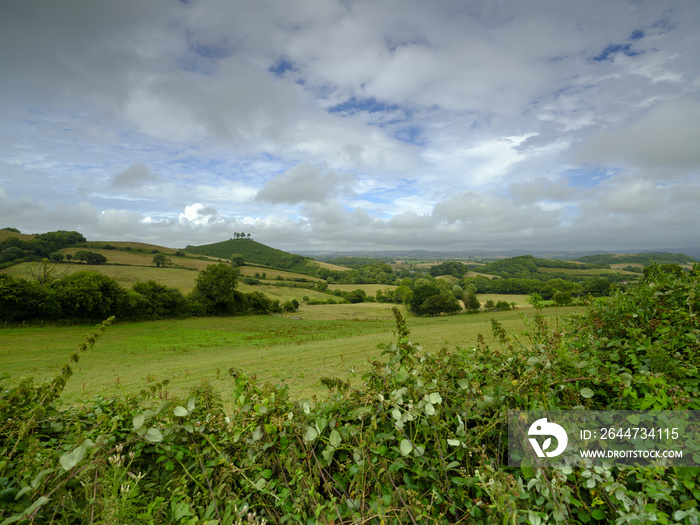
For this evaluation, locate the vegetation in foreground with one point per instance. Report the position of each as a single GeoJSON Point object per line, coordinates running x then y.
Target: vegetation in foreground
{"type": "Point", "coordinates": [422, 440]}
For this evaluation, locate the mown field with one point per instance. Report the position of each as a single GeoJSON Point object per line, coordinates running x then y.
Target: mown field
{"type": "Point", "coordinates": [297, 350]}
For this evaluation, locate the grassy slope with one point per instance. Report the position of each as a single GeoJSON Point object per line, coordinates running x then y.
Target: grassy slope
{"type": "Point", "coordinates": [326, 341]}
{"type": "Point", "coordinates": [4, 235]}
{"type": "Point", "coordinates": [252, 251]}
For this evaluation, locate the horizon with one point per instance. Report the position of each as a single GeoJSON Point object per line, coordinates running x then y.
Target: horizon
{"type": "Point", "coordinates": [355, 126]}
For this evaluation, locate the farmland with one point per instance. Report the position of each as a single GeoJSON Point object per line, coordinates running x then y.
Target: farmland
{"type": "Point", "coordinates": [323, 340]}
{"type": "Point", "coordinates": [194, 412]}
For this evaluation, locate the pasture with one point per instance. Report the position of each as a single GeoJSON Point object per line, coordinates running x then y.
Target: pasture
{"type": "Point", "coordinates": [297, 350]}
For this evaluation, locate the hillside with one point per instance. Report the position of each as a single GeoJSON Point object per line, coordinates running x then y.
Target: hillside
{"type": "Point", "coordinates": [254, 252]}
{"type": "Point", "coordinates": [644, 259]}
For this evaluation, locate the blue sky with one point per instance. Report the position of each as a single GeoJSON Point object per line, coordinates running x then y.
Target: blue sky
{"type": "Point", "coordinates": [361, 124]}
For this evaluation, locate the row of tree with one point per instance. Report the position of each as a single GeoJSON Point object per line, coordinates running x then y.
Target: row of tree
{"type": "Point", "coordinates": [90, 295]}
{"type": "Point", "coordinates": [14, 250]}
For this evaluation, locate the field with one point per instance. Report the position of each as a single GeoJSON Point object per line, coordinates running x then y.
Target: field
{"type": "Point", "coordinates": [296, 350]}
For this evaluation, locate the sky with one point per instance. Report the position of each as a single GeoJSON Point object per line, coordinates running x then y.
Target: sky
{"type": "Point", "coordinates": [354, 124]}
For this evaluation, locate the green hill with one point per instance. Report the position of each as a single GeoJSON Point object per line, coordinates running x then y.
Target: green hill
{"type": "Point", "coordinates": [645, 259]}
{"type": "Point", "coordinates": [257, 253]}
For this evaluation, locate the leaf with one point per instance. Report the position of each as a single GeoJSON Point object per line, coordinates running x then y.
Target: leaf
{"type": "Point", "coordinates": [587, 392]}
{"type": "Point", "coordinates": [429, 409]}
{"type": "Point", "coordinates": [153, 435]}
{"type": "Point", "coordinates": [190, 404]}
{"type": "Point", "coordinates": [335, 438]}
{"type": "Point", "coordinates": [138, 421]}
{"type": "Point", "coordinates": [405, 447]}
{"type": "Point", "coordinates": [257, 433]}
{"type": "Point", "coordinates": [141, 418]}
{"type": "Point", "coordinates": [453, 442]}
{"type": "Point", "coordinates": [311, 433]}
{"type": "Point", "coordinates": [71, 459]}
{"type": "Point", "coordinates": [435, 398]}
{"type": "Point", "coordinates": [163, 405]}
{"type": "Point", "coordinates": [463, 384]}
{"type": "Point", "coordinates": [181, 411]}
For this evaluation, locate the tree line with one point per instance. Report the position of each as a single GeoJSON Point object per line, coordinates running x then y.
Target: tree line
{"type": "Point", "coordinates": [14, 250]}
{"type": "Point", "coordinates": [88, 295]}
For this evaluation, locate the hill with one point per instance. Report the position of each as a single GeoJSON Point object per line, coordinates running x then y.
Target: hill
{"type": "Point", "coordinates": [644, 259]}
{"type": "Point", "coordinates": [257, 253]}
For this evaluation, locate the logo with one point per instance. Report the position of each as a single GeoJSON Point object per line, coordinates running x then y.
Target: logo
{"type": "Point", "coordinates": [542, 427]}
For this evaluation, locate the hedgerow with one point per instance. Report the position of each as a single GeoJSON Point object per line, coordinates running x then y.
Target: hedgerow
{"type": "Point", "coordinates": [423, 439]}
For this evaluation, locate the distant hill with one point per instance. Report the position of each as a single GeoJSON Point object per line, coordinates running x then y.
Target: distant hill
{"type": "Point", "coordinates": [254, 252]}
{"type": "Point", "coordinates": [7, 233]}
{"type": "Point", "coordinates": [644, 259]}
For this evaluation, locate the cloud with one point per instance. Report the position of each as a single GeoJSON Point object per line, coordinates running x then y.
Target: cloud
{"type": "Point", "coordinates": [357, 124]}
{"type": "Point", "coordinates": [134, 176]}
{"type": "Point", "coordinates": [665, 137]}
{"type": "Point", "coordinates": [305, 183]}
{"type": "Point", "coordinates": [199, 214]}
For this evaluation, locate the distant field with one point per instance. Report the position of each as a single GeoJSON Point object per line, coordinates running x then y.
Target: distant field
{"type": "Point", "coordinates": [370, 289]}
{"type": "Point", "coordinates": [519, 300]}
{"type": "Point", "coordinates": [133, 245]}
{"type": "Point", "coordinates": [179, 278]}
{"type": "Point", "coordinates": [271, 274]}
{"type": "Point", "coordinates": [590, 272]}
{"type": "Point", "coordinates": [4, 235]}
{"type": "Point", "coordinates": [325, 341]}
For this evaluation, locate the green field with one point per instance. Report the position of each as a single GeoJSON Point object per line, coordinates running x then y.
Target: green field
{"type": "Point", "coordinates": [296, 350]}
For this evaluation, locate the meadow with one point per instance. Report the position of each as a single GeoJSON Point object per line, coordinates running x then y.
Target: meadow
{"type": "Point", "coordinates": [294, 349]}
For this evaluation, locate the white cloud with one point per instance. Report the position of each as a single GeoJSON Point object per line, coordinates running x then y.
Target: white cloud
{"type": "Point", "coordinates": [361, 124]}
{"type": "Point", "coordinates": [305, 183]}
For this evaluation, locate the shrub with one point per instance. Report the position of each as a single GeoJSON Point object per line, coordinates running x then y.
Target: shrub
{"type": "Point", "coordinates": [88, 295]}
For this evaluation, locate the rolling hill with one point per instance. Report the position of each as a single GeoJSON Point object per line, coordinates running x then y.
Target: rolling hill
{"type": "Point", "coordinates": [257, 253]}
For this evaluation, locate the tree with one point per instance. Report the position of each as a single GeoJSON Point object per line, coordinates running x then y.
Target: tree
{"type": "Point", "coordinates": [161, 301]}
{"type": "Point", "coordinates": [44, 272]}
{"type": "Point", "coordinates": [160, 260]}
{"type": "Point", "coordinates": [22, 300]}
{"type": "Point", "coordinates": [237, 260]}
{"type": "Point", "coordinates": [436, 304]}
{"type": "Point", "coordinates": [215, 288]}
{"type": "Point", "coordinates": [471, 303]}
{"type": "Point", "coordinates": [90, 257]}
{"type": "Point", "coordinates": [88, 295]}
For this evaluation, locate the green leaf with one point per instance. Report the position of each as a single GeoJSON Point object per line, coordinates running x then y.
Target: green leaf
{"type": "Point", "coordinates": [453, 442]}
{"type": "Point", "coordinates": [138, 421]}
{"type": "Point", "coordinates": [311, 433]}
{"type": "Point", "coordinates": [71, 459]}
{"type": "Point", "coordinates": [405, 447]}
{"type": "Point", "coordinates": [587, 392]}
{"type": "Point", "coordinates": [190, 404]}
{"type": "Point", "coordinates": [163, 405]}
{"type": "Point", "coordinates": [463, 384]}
{"type": "Point", "coordinates": [335, 438]}
{"type": "Point", "coordinates": [429, 409]}
{"type": "Point", "coordinates": [435, 398]}
{"type": "Point", "coordinates": [181, 411]}
{"type": "Point", "coordinates": [153, 435]}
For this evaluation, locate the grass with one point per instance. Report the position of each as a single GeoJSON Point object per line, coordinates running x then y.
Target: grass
{"type": "Point", "coordinates": [295, 350]}
{"type": "Point", "coordinates": [126, 276]}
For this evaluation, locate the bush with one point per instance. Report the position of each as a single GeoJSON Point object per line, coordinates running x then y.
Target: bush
{"type": "Point", "coordinates": [88, 295]}
{"type": "Point", "coordinates": [162, 301]}
{"type": "Point", "coordinates": [22, 300]}
{"type": "Point", "coordinates": [90, 257]}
